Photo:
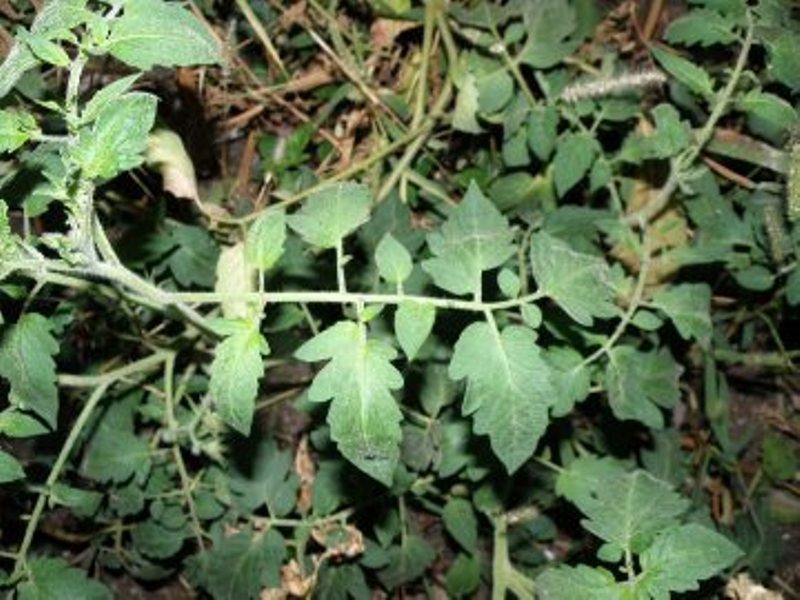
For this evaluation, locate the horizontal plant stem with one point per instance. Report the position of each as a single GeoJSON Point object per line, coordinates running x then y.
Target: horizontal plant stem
{"type": "Point", "coordinates": [140, 366]}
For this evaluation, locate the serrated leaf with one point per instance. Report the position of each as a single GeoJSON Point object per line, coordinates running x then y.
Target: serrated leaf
{"type": "Point", "coordinates": [413, 322]}
{"type": "Point", "coordinates": [194, 258]}
{"type": "Point", "coordinates": [638, 383]}
{"type": "Point", "coordinates": [393, 260]}
{"type": "Point", "coordinates": [116, 141]}
{"type": "Point", "coordinates": [689, 74]}
{"type": "Point", "coordinates": [768, 115]}
{"type": "Point", "coordinates": [580, 283]}
{"type": "Point", "coordinates": [239, 566]}
{"type": "Point", "coordinates": [106, 96]}
{"type": "Point", "coordinates": [575, 154]}
{"type": "Point", "coordinates": [54, 578]}
{"type": "Point", "coordinates": [701, 27]}
{"type": "Point", "coordinates": [16, 128]}
{"type": "Point", "coordinates": [460, 521]}
{"type": "Point", "coordinates": [265, 240]}
{"type": "Point", "coordinates": [548, 24]}
{"type": "Point", "coordinates": [784, 49]}
{"type": "Point", "coordinates": [407, 562]}
{"type": "Point", "coordinates": [509, 388]}
{"type": "Point", "coordinates": [363, 416]}
{"type": "Point", "coordinates": [670, 137]}
{"type": "Point", "coordinates": [578, 583]}
{"type": "Point", "coordinates": [585, 475]}
{"type": "Point", "coordinates": [628, 511]}
{"type": "Point", "coordinates": [26, 351]}
{"type": "Point", "coordinates": [265, 478]}
{"type": "Point", "coordinates": [688, 305]}
{"type": "Point", "coordinates": [154, 32]}
{"type": "Point", "coordinates": [466, 108]}
{"type": "Point", "coordinates": [331, 214]}
{"type": "Point", "coordinates": [156, 541]}
{"type": "Point", "coordinates": [10, 469]}
{"type": "Point", "coordinates": [570, 377]}
{"type": "Point", "coordinates": [84, 503]}
{"type": "Point", "coordinates": [681, 557]}
{"type": "Point", "coordinates": [17, 424]}
{"type": "Point", "coordinates": [235, 372]}
{"type": "Point", "coordinates": [475, 238]}
{"type": "Point", "coordinates": [542, 131]}
{"type": "Point", "coordinates": [114, 452]}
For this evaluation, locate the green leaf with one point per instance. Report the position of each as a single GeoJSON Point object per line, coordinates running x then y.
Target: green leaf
{"type": "Point", "coordinates": [10, 469]}
{"type": "Point", "coordinates": [784, 48]}
{"type": "Point", "coordinates": [688, 305]}
{"type": "Point", "coordinates": [460, 522]}
{"type": "Point", "coordinates": [670, 137]}
{"type": "Point", "coordinates": [16, 128]}
{"type": "Point", "coordinates": [265, 239]}
{"type": "Point", "coordinates": [578, 583]}
{"type": "Point", "coordinates": [393, 260]}
{"type": "Point", "coordinates": [681, 557]}
{"type": "Point", "coordinates": [363, 416]}
{"type": "Point", "coordinates": [413, 322]}
{"type": "Point", "coordinates": [194, 259]}
{"type": "Point", "coordinates": [581, 480]}
{"type": "Point", "coordinates": [475, 238]}
{"type": "Point", "coordinates": [114, 452]}
{"type": "Point", "coordinates": [464, 575]}
{"type": "Point", "coordinates": [44, 49]}
{"type": "Point", "coordinates": [703, 27]}
{"type": "Point", "coordinates": [106, 97]}
{"type": "Point", "coordinates": [84, 503]}
{"type": "Point", "coordinates": [628, 511]}
{"type": "Point", "coordinates": [154, 32]}
{"type": "Point", "coordinates": [54, 578]}
{"type": "Point", "coordinates": [466, 108]}
{"type": "Point", "coordinates": [509, 388]}
{"type": "Point", "coordinates": [342, 581]}
{"type": "Point", "coordinates": [548, 24]}
{"type": "Point", "coordinates": [692, 76]}
{"type": "Point", "coordinates": [157, 541]}
{"type": "Point", "coordinates": [239, 566]}
{"type": "Point", "coordinates": [407, 562]}
{"type": "Point", "coordinates": [780, 458]}
{"type": "Point", "coordinates": [768, 115]}
{"type": "Point", "coordinates": [116, 141]}
{"type": "Point", "coordinates": [17, 424]}
{"type": "Point", "coordinates": [570, 376]}
{"type": "Point", "coordinates": [580, 283]}
{"type": "Point", "coordinates": [235, 372]}
{"type": "Point", "coordinates": [26, 351]}
{"type": "Point", "coordinates": [266, 478]}
{"type": "Point", "coordinates": [638, 383]}
{"type": "Point", "coordinates": [575, 154]}
{"type": "Point", "coordinates": [235, 278]}
{"type": "Point", "coordinates": [331, 214]}
{"type": "Point", "coordinates": [542, 131]}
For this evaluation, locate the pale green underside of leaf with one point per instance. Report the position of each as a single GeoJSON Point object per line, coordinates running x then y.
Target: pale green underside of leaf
{"type": "Point", "coordinates": [235, 372]}
{"type": "Point", "coordinates": [331, 214]}
{"type": "Point", "coordinates": [265, 240]}
{"type": "Point", "coordinates": [509, 388]}
{"type": "Point", "coordinates": [154, 32]}
{"type": "Point", "coordinates": [118, 138]}
{"type": "Point", "coordinates": [638, 383]}
{"type": "Point", "coordinates": [413, 323]}
{"type": "Point", "coordinates": [393, 260]}
{"type": "Point", "coordinates": [475, 238]}
{"type": "Point", "coordinates": [580, 283]}
{"type": "Point", "coordinates": [54, 578]}
{"type": "Point", "coordinates": [26, 351]}
{"type": "Point", "coordinates": [688, 305]}
{"type": "Point", "coordinates": [577, 583]}
{"type": "Point", "coordinates": [364, 416]}
{"type": "Point", "coordinates": [683, 556]}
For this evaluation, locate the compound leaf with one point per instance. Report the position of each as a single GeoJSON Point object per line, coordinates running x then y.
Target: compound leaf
{"type": "Point", "coordinates": [331, 214]}
{"type": "Point", "coordinates": [54, 578]}
{"type": "Point", "coordinates": [688, 305]}
{"type": "Point", "coordinates": [475, 238]}
{"type": "Point", "coordinates": [682, 556]}
{"type": "Point", "coordinates": [639, 382]}
{"type": "Point", "coordinates": [364, 417]}
{"type": "Point", "coordinates": [580, 283]}
{"type": "Point", "coordinates": [154, 32]}
{"type": "Point", "coordinates": [509, 388]}
{"type": "Point", "coordinates": [26, 351]}
{"type": "Point", "coordinates": [235, 372]}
